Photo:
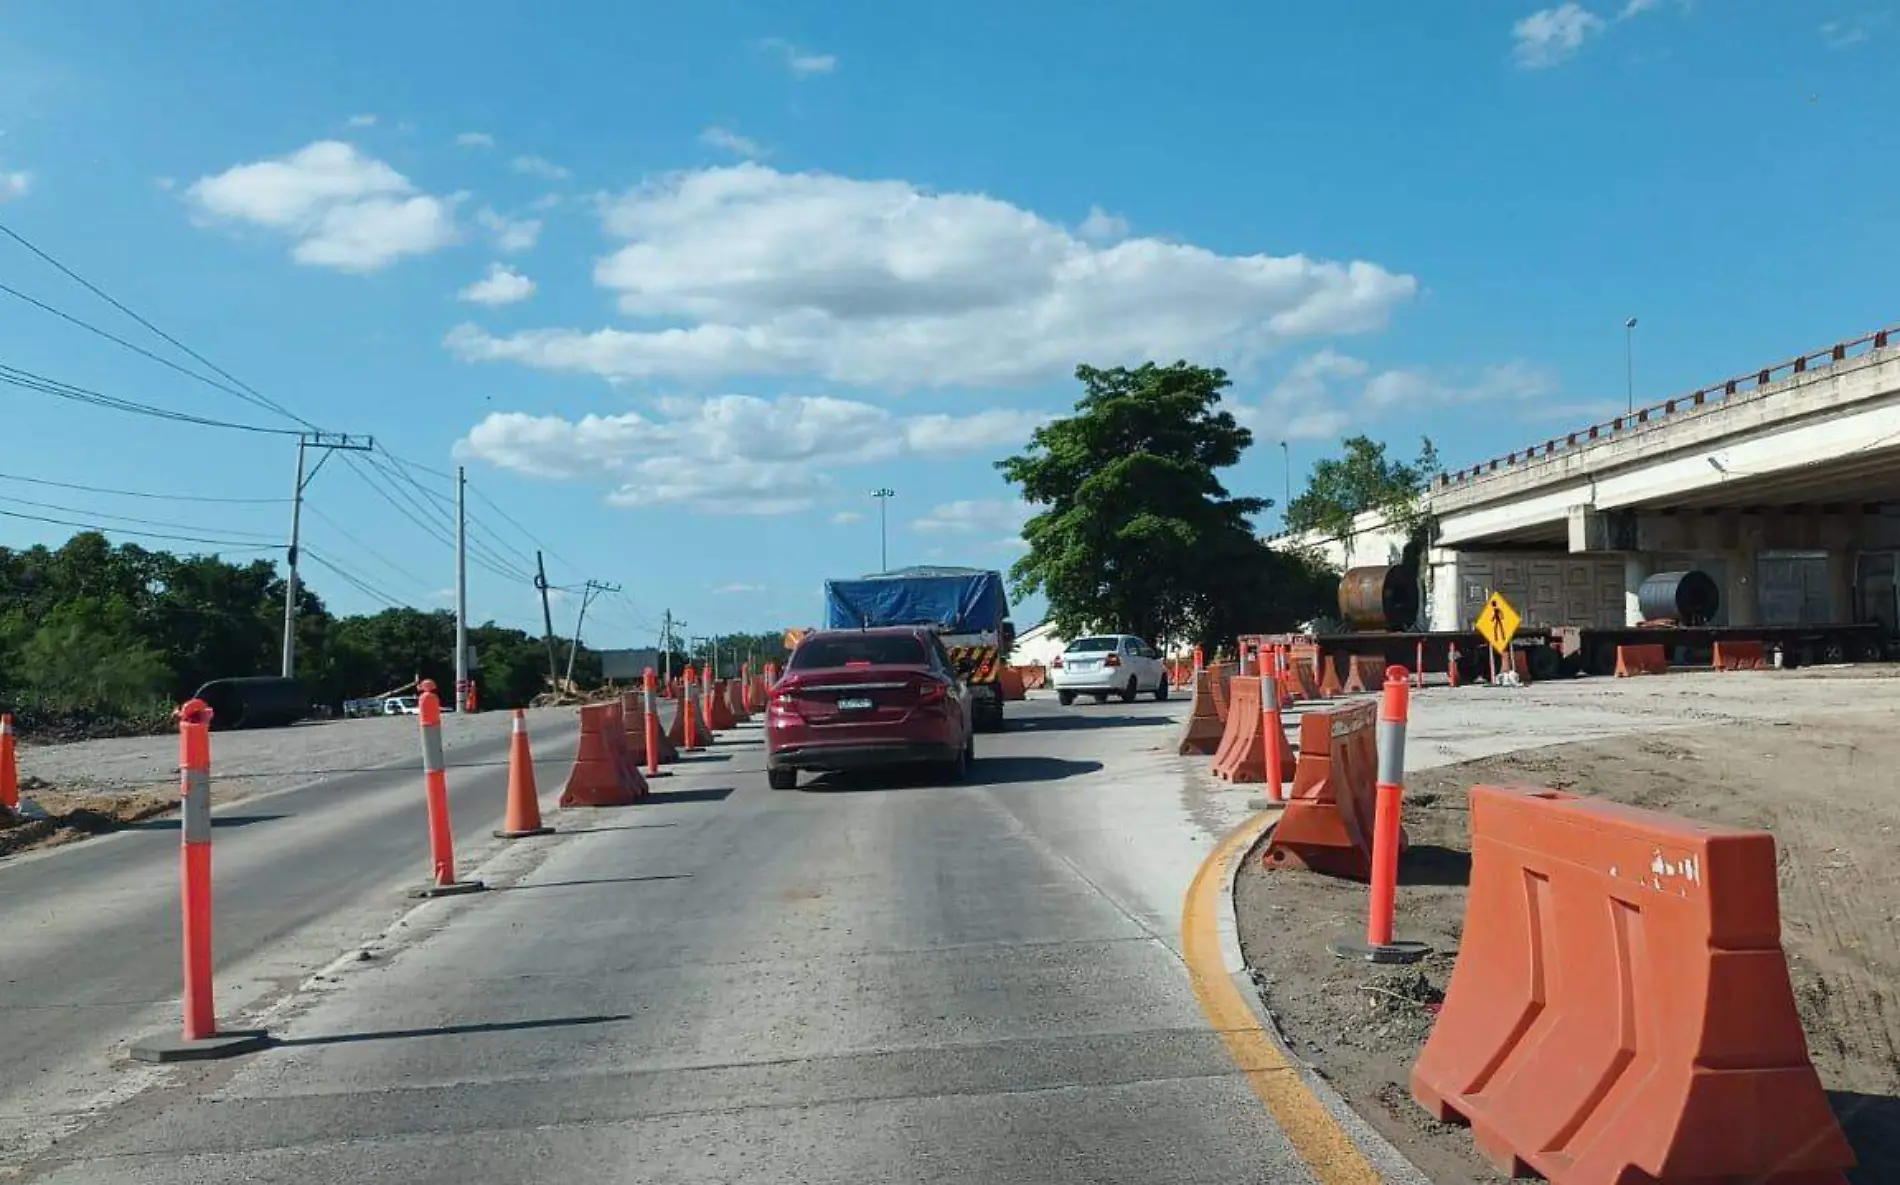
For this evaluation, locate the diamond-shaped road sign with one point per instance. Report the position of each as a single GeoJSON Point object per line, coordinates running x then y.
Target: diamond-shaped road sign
{"type": "Point", "coordinates": [1497, 622]}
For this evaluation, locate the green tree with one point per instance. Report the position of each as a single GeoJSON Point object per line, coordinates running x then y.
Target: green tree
{"type": "Point", "coordinates": [1136, 533]}
{"type": "Point", "coordinates": [1362, 479]}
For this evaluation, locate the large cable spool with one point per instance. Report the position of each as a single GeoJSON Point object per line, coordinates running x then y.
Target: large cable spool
{"type": "Point", "coordinates": [1691, 598]}
{"type": "Point", "coordinates": [1379, 598]}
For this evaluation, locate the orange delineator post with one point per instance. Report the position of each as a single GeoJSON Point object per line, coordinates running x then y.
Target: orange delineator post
{"type": "Point", "coordinates": [1379, 945]}
{"type": "Point", "coordinates": [9, 767]}
{"type": "Point", "coordinates": [1279, 753]}
{"type": "Point", "coordinates": [435, 778]}
{"type": "Point", "coordinates": [524, 799]}
{"type": "Point", "coordinates": [689, 712]}
{"type": "Point", "coordinates": [1621, 1008]}
{"type": "Point", "coordinates": [199, 1038]}
{"type": "Point", "coordinates": [1418, 665]}
{"type": "Point", "coordinates": [650, 721]}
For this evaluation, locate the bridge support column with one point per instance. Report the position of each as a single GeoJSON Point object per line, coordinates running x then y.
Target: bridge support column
{"type": "Point", "coordinates": [1739, 598]}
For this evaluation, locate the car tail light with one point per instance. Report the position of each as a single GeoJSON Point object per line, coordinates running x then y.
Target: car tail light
{"type": "Point", "coordinates": [1113, 660]}
{"type": "Point", "coordinates": [1055, 664]}
{"type": "Point", "coordinates": [932, 692]}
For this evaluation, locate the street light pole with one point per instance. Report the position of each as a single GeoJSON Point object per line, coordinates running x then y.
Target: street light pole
{"type": "Point", "coordinates": [883, 496]}
{"type": "Point", "coordinates": [1629, 363]}
{"type": "Point", "coordinates": [1286, 455]}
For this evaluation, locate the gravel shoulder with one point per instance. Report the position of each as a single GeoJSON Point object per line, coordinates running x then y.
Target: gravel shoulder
{"type": "Point", "coordinates": [1825, 784]}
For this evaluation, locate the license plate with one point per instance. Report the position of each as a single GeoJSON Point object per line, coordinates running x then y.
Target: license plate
{"type": "Point", "coordinates": [855, 704]}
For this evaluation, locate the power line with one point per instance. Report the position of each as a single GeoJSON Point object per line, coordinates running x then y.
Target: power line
{"type": "Point", "coordinates": [149, 522]}
{"type": "Point", "coordinates": [233, 544]}
{"type": "Point", "coordinates": [248, 393]}
{"type": "Point", "coordinates": [372, 553]}
{"type": "Point", "coordinates": [484, 552]}
{"type": "Point", "coordinates": [530, 536]}
{"type": "Point", "coordinates": [67, 485]}
{"type": "Point", "coordinates": [31, 381]}
{"type": "Point", "coordinates": [361, 585]}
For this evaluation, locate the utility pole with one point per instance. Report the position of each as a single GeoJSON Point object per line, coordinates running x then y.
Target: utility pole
{"type": "Point", "coordinates": [587, 596]}
{"type": "Point", "coordinates": [883, 496]}
{"type": "Point", "coordinates": [1629, 362]}
{"type": "Point", "coordinates": [668, 639]}
{"type": "Point", "coordinates": [328, 442]}
{"type": "Point", "coordinates": [547, 618]}
{"type": "Point", "coordinates": [461, 589]}
{"type": "Point", "coordinates": [1286, 455]}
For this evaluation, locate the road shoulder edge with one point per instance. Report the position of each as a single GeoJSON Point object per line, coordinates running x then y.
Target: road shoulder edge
{"type": "Point", "coordinates": [1338, 1146]}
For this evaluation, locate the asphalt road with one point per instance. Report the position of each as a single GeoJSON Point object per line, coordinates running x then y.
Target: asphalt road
{"type": "Point", "coordinates": [853, 982]}
{"type": "Point", "coordinates": [89, 934]}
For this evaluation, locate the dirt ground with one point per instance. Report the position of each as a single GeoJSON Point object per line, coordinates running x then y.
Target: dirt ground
{"type": "Point", "coordinates": [63, 816]}
{"type": "Point", "coordinates": [1827, 787]}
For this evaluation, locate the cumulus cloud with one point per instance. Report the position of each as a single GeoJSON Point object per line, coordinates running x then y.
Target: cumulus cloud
{"type": "Point", "coordinates": [510, 234]}
{"type": "Point", "coordinates": [727, 140]}
{"type": "Point", "coordinates": [801, 63]}
{"type": "Point", "coordinates": [745, 270]}
{"type": "Point", "coordinates": [1325, 394]}
{"type": "Point", "coordinates": [341, 208]}
{"type": "Point", "coordinates": [1553, 35]}
{"type": "Point", "coordinates": [976, 516]}
{"type": "Point", "coordinates": [502, 285]}
{"type": "Point", "coordinates": [1101, 226]}
{"type": "Point", "coordinates": [731, 454]}
{"type": "Point", "coordinates": [475, 140]}
{"type": "Point", "coordinates": [14, 185]}
{"type": "Point", "coordinates": [536, 166]}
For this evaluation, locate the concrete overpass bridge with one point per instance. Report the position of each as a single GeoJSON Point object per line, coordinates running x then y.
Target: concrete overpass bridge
{"type": "Point", "coordinates": [1784, 485]}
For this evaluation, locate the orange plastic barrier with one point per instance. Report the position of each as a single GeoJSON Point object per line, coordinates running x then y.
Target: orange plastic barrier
{"type": "Point", "coordinates": [1203, 731]}
{"type": "Point", "coordinates": [1010, 680]}
{"type": "Point", "coordinates": [1641, 660]}
{"type": "Point", "coordinates": [732, 691]}
{"type": "Point", "coordinates": [603, 775]}
{"type": "Point", "coordinates": [719, 715]}
{"type": "Point", "coordinates": [1242, 756]}
{"type": "Point", "coordinates": [1300, 673]}
{"type": "Point", "coordinates": [1741, 656]}
{"type": "Point", "coordinates": [1219, 676]}
{"type": "Point", "coordinates": [1620, 1010]}
{"type": "Point", "coordinates": [1365, 674]}
{"type": "Point", "coordinates": [1334, 799]}
{"type": "Point", "coordinates": [1329, 682]}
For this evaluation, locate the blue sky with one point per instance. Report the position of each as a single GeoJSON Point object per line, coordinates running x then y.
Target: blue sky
{"type": "Point", "coordinates": [681, 284]}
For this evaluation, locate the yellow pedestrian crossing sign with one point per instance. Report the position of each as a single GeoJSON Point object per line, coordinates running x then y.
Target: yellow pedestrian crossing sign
{"type": "Point", "coordinates": [1498, 622]}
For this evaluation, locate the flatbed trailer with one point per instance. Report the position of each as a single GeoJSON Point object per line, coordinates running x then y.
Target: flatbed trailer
{"type": "Point", "coordinates": [1552, 653]}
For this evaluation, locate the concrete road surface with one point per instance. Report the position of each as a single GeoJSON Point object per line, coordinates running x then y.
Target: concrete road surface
{"type": "Point", "coordinates": [853, 982]}
{"type": "Point", "coordinates": [89, 934]}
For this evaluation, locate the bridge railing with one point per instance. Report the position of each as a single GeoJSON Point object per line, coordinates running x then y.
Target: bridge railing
{"type": "Point", "coordinates": [1694, 401]}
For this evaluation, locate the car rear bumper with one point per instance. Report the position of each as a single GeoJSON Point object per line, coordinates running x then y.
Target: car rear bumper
{"type": "Point", "coordinates": [1106, 679]}
{"type": "Point", "coordinates": [859, 755]}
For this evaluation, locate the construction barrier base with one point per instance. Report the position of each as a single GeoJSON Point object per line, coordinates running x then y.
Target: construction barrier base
{"type": "Point", "coordinates": [500, 834]}
{"type": "Point", "coordinates": [452, 889]}
{"type": "Point", "coordinates": [174, 1048]}
{"type": "Point", "coordinates": [1395, 953]}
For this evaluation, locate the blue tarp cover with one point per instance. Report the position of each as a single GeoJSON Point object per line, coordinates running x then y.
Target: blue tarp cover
{"type": "Point", "coordinates": [959, 601]}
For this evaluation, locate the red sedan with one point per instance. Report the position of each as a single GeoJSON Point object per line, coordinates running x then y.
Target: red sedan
{"type": "Point", "coordinates": [867, 699]}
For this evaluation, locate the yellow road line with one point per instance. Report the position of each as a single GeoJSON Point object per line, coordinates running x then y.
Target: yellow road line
{"type": "Point", "coordinates": [1316, 1136]}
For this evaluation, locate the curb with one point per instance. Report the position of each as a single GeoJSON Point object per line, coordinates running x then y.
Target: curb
{"type": "Point", "coordinates": [1374, 1150]}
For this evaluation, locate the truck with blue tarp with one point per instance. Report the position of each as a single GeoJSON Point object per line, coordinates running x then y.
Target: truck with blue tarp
{"type": "Point", "coordinates": [966, 606]}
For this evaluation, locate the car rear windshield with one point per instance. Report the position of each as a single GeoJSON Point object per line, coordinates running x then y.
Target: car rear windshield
{"type": "Point", "coordinates": [1093, 645]}
{"type": "Point", "coordinates": [878, 650]}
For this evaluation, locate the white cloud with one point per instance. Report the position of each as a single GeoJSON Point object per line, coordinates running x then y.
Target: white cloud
{"type": "Point", "coordinates": [502, 285]}
{"type": "Point", "coordinates": [738, 586]}
{"type": "Point", "coordinates": [362, 121]}
{"type": "Point", "coordinates": [14, 185]}
{"type": "Point", "coordinates": [1101, 226]}
{"type": "Point", "coordinates": [730, 454]}
{"type": "Point", "coordinates": [745, 270]}
{"type": "Point", "coordinates": [1324, 394]}
{"type": "Point", "coordinates": [802, 63]}
{"type": "Point", "coordinates": [727, 140]}
{"type": "Point", "coordinates": [1842, 35]}
{"type": "Point", "coordinates": [546, 202]}
{"type": "Point", "coordinates": [536, 166]}
{"type": "Point", "coordinates": [984, 515]}
{"type": "Point", "coordinates": [343, 209]}
{"type": "Point", "coordinates": [475, 140]}
{"type": "Point", "coordinates": [1636, 8]}
{"type": "Point", "coordinates": [846, 517]}
{"type": "Point", "coordinates": [1552, 35]}
{"type": "Point", "coordinates": [510, 234]}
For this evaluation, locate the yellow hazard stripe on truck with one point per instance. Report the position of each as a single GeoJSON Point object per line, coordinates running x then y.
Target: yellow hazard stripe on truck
{"type": "Point", "coordinates": [977, 662]}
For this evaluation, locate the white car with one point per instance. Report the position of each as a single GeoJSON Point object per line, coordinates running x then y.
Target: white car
{"type": "Point", "coordinates": [1109, 664]}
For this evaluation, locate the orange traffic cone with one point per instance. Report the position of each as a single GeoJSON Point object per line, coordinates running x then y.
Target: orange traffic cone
{"type": "Point", "coordinates": [9, 768]}
{"type": "Point", "coordinates": [524, 801]}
